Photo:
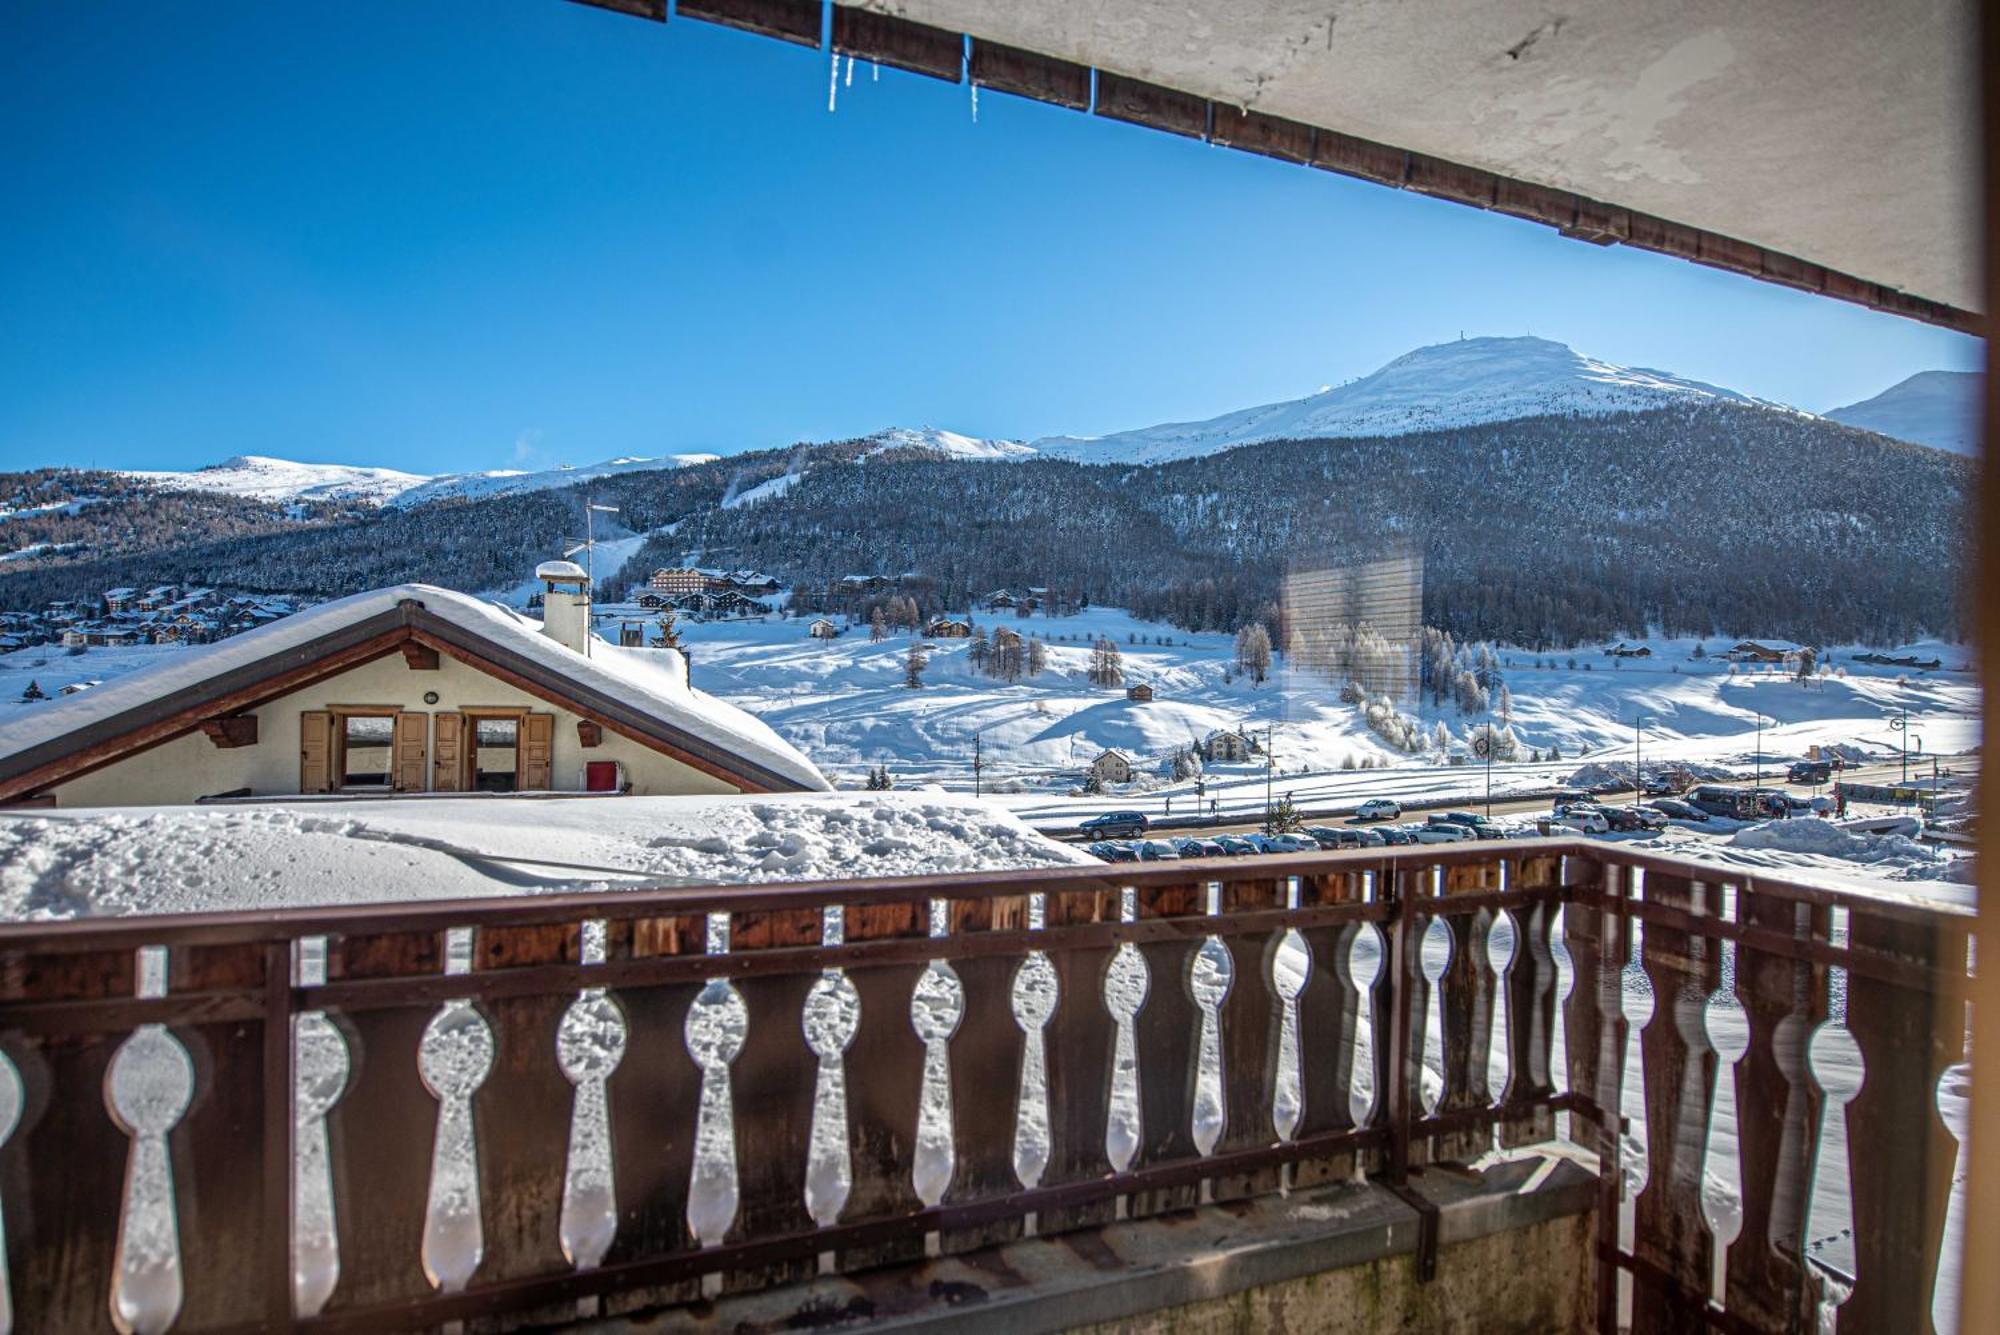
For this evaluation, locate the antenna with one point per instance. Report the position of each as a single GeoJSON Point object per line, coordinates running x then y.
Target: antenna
{"type": "Point", "coordinates": [587, 544]}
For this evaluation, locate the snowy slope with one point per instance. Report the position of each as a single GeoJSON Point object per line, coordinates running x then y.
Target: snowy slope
{"type": "Point", "coordinates": [266, 479]}
{"type": "Point", "coordinates": [947, 444]}
{"type": "Point", "coordinates": [1447, 385]}
{"type": "Point", "coordinates": [262, 478]}
{"type": "Point", "coordinates": [1936, 408]}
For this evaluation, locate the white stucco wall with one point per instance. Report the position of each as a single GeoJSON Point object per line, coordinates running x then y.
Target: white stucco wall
{"type": "Point", "coordinates": [191, 766]}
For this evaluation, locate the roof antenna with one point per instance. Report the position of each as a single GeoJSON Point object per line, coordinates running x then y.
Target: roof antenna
{"type": "Point", "coordinates": [588, 546]}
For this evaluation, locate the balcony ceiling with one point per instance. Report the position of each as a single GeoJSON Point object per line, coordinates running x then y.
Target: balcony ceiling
{"type": "Point", "coordinates": [1840, 132]}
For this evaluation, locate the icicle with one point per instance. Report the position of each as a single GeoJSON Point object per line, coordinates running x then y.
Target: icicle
{"type": "Point", "coordinates": [833, 82]}
{"type": "Point", "coordinates": [876, 67]}
{"type": "Point", "coordinates": [849, 78]}
{"type": "Point", "coordinates": [975, 104]}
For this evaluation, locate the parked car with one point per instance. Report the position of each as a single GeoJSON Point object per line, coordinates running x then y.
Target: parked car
{"type": "Point", "coordinates": [1379, 808]}
{"type": "Point", "coordinates": [1566, 796]}
{"type": "Point", "coordinates": [1441, 832]}
{"type": "Point", "coordinates": [1481, 827]}
{"type": "Point", "coordinates": [1397, 835]}
{"type": "Point", "coordinates": [1200, 848]}
{"type": "Point", "coordinates": [1335, 836]}
{"type": "Point", "coordinates": [1155, 850]}
{"type": "Point", "coordinates": [1237, 845]}
{"type": "Point", "coordinates": [1673, 808]}
{"type": "Point", "coordinates": [1285, 843]}
{"type": "Point", "coordinates": [1115, 825]}
{"type": "Point", "coordinates": [1628, 820]}
{"type": "Point", "coordinates": [1584, 820]}
{"type": "Point", "coordinates": [1113, 852]}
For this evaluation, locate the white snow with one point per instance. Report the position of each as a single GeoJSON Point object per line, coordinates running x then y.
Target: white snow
{"type": "Point", "coordinates": [263, 478]}
{"type": "Point", "coordinates": [270, 855]}
{"type": "Point", "coordinates": [949, 444]}
{"type": "Point", "coordinates": [647, 677]}
{"type": "Point", "coordinates": [1935, 408]}
{"type": "Point", "coordinates": [763, 491]}
{"type": "Point", "coordinates": [1446, 385]}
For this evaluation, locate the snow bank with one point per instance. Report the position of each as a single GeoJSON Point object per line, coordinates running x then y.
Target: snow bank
{"type": "Point", "coordinates": [88, 863]}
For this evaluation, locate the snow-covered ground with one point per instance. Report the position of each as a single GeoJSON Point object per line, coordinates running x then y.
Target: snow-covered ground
{"type": "Point", "coordinates": [315, 852]}
{"type": "Point", "coordinates": [263, 478]}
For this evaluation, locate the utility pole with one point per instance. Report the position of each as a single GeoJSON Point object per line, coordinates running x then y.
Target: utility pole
{"type": "Point", "coordinates": [1638, 725]}
{"type": "Point", "coordinates": [588, 546]}
{"type": "Point", "coordinates": [1901, 724]}
{"type": "Point", "coordinates": [1270, 762]}
{"type": "Point", "coordinates": [978, 763]}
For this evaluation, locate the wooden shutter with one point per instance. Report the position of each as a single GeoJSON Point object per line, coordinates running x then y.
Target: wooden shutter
{"type": "Point", "coordinates": [448, 753]}
{"type": "Point", "coordinates": [411, 740]}
{"type": "Point", "coordinates": [538, 742]}
{"type": "Point", "coordinates": [316, 751]}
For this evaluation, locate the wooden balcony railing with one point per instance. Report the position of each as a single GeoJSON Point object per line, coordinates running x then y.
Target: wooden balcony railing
{"type": "Point", "coordinates": [377, 1118]}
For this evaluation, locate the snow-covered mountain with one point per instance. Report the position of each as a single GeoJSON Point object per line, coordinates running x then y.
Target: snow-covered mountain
{"type": "Point", "coordinates": [1935, 408]}
{"type": "Point", "coordinates": [265, 479]}
{"type": "Point", "coordinates": [1448, 385]}
{"type": "Point", "coordinates": [284, 480]}
{"type": "Point", "coordinates": [947, 444]}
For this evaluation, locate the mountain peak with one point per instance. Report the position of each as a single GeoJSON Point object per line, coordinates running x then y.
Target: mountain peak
{"type": "Point", "coordinates": [1935, 408]}
{"type": "Point", "coordinates": [1490, 378]}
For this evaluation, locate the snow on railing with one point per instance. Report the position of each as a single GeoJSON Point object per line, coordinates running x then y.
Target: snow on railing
{"type": "Point", "coordinates": [364, 1117]}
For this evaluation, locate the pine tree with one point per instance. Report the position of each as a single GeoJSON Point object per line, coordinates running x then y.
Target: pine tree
{"type": "Point", "coordinates": [34, 692]}
{"type": "Point", "coordinates": [979, 652]}
{"type": "Point", "coordinates": [1107, 665]}
{"type": "Point", "coordinates": [1038, 658]}
{"type": "Point", "coordinates": [878, 630]}
{"type": "Point", "coordinates": [914, 664]}
{"type": "Point", "coordinates": [667, 635]}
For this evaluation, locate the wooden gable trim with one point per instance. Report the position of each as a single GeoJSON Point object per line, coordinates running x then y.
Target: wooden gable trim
{"type": "Point", "coordinates": [421, 657]}
{"type": "Point", "coordinates": [560, 700]}
{"type": "Point", "coordinates": [155, 730]}
{"type": "Point", "coordinates": [230, 732]}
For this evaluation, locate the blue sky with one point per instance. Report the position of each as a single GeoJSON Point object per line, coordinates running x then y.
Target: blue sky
{"type": "Point", "coordinates": [449, 235]}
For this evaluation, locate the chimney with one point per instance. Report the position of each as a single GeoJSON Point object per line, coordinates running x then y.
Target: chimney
{"type": "Point", "coordinates": [565, 603]}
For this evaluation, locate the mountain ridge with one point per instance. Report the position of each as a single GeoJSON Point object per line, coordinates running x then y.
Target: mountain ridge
{"type": "Point", "coordinates": [1935, 408]}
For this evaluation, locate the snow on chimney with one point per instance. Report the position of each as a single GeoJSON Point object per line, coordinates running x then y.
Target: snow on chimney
{"type": "Point", "coordinates": [565, 603]}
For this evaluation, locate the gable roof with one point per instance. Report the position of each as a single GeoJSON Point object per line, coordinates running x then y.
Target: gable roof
{"type": "Point", "coordinates": [641, 693]}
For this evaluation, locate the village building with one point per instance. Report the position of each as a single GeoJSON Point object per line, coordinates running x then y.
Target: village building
{"type": "Point", "coordinates": [948, 628]}
{"type": "Point", "coordinates": [408, 689]}
{"type": "Point", "coordinates": [822, 629]}
{"type": "Point", "coordinates": [678, 579]}
{"type": "Point", "coordinates": [1763, 651]}
{"type": "Point", "coordinates": [1225, 745]}
{"type": "Point", "coordinates": [1140, 691]}
{"type": "Point", "coordinates": [1622, 650]}
{"type": "Point", "coordinates": [1114, 766]}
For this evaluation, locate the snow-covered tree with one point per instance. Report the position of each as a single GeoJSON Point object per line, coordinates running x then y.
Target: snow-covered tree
{"type": "Point", "coordinates": [666, 632]}
{"type": "Point", "coordinates": [1253, 651]}
{"type": "Point", "coordinates": [1038, 658]}
{"type": "Point", "coordinates": [1107, 665]}
{"type": "Point", "coordinates": [914, 664]}
{"type": "Point", "coordinates": [878, 629]}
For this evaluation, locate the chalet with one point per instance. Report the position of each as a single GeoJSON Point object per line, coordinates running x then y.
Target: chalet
{"type": "Point", "coordinates": [678, 579]}
{"type": "Point", "coordinates": [120, 599]}
{"type": "Point", "coordinates": [822, 629]}
{"type": "Point", "coordinates": [1629, 651]}
{"type": "Point", "coordinates": [948, 628]}
{"type": "Point", "coordinates": [735, 605]}
{"type": "Point", "coordinates": [1226, 746]}
{"type": "Point", "coordinates": [650, 600]}
{"type": "Point", "coordinates": [408, 689]}
{"type": "Point", "coordinates": [1114, 766]}
{"type": "Point", "coordinates": [1000, 600]}
{"type": "Point", "coordinates": [1140, 691]}
{"type": "Point", "coordinates": [1763, 651]}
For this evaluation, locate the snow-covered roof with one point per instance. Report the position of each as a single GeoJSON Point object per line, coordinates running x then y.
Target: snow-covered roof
{"type": "Point", "coordinates": [1119, 752]}
{"type": "Point", "coordinates": [560, 570]}
{"type": "Point", "coordinates": [647, 687]}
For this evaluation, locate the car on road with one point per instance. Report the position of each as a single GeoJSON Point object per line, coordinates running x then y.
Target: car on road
{"type": "Point", "coordinates": [1155, 850]}
{"type": "Point", "coordinates": [1112, 852]}
{"type": "Point", "coordinates": [1673, 808]}
{"type": "Point", "coordinates": [1115, 825]}
{"type": "Point", "coordinates": [1201, 848]}
{"type": "Point", "coordinates": [1563, 797]}
{"type": "Point", "coordinates": [1379, 808]}
{"type": "Point", "coordinates": [1810, 771]}
{"type": "Point", "coordinates": [1629, 820]}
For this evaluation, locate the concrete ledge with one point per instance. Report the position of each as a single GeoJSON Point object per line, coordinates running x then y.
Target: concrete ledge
{"type": "Point", "coordinates": [1515, 1253]}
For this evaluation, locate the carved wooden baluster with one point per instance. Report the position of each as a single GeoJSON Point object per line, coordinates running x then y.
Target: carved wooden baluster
{"type": "Point", "coordinates": [771, 1087]}
{"type": "Point", "coordinates": [1778, 1106]}
{"type": "Point", "coordinates": [219, 1200]}
{"type": "Point", "coordinates": [1409, 1008]}
{"type": "Point", "coordinates": [986, 1057]}
{"type": "Point", "coordinates": [1598, 937]}
{"type": "Point", "coordinates": [1466, 1011]}
{"type": "Point", "coordinates": [1167, 1039]}
{"type": "Point", "coordinates": [62, 1171]}
{"type": "Point", "coordinates": [521, 1111]}
{"type": "Point", "coordinates": [380, 1135]}
{"type": "Point", "coordinates": [1385, 1066]}
{"type": "Point", "coordinates": [654, 1102]}
{"type": "Point", "coordinates": [1080, 1041]}
{"type": "Point", "coordinates": [1530, 991]}
{"type": "Point", "coordinates": [1329, 1013]}
{"type": "Point", "coordinates": [885, 1083]}
{"type": "Point", "coordinates": [1670, 1232]}
{"type": "Point", "coordinates": [1900, 1180]}
{"type": "Point", "coordinates": [1253, 1015]}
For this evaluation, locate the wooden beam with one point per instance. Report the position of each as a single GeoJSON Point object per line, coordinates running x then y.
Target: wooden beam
{"type": "Point", "coordinates": [788, 20]}
{"type": "Point", "coordinates": [232, 731]}
{"type": "Point", "coordinates": [421, 657]}
{"type": "Point", "coordinates": [589, 733]}
{"type": "Point", "coordinates": [898, 43]}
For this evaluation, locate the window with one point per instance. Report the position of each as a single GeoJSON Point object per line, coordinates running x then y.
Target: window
{"type": "Point", "coordinates": [495, 753]}
{"type": "Point", "coordinates": [366, 750]}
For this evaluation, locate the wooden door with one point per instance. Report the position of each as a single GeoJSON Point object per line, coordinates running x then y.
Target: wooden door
{"type": "Point", "coordinates": [316, 751]}
{"type": "Point", "coordinates": [448, 753]}
{"type": "Point", "coordinates": [537, 742]}
{"type": "Point", "coordinates": [407, 754]}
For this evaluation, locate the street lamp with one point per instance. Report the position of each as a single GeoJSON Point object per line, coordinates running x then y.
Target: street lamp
{"type": "Point", "coordinates": [1760, 750]}
{"type": "Point", "coordinates": [1638, 723]}
{"type": "Point", "coordinates": [1901, 724]}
